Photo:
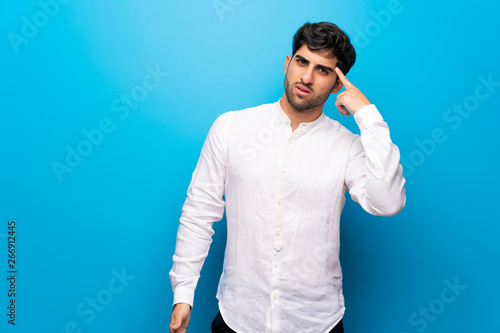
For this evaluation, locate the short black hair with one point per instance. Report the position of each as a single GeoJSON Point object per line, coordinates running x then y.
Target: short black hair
{"type": "Point", "coordinates": [326, 37]}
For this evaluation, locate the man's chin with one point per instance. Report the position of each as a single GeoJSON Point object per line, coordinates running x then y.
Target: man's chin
{"type": "Point", "coordinates": [300, 104]}
{"type": "Point", "coordinates": [302, 108]}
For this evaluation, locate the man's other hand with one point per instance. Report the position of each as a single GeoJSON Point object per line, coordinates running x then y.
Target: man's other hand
{"type": "Point", "coordinates": [179, 320]}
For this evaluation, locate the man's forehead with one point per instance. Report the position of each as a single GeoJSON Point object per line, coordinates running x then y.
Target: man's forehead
{"type": "Point", "coordinates": [323, 57]}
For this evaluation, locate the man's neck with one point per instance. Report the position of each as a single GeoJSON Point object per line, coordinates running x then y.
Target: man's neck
{"type": "Point", "coordinates": [296, 116]}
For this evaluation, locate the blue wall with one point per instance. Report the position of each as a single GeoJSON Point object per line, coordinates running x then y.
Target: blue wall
{"type": "Point", "coordinates": [104, 109]}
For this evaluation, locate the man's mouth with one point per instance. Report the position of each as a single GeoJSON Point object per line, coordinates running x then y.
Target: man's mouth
{"type": "Point", "coordinates": [302, 91]}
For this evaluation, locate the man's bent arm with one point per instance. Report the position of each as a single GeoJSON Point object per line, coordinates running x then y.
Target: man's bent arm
{"type": "Point", "coordinates": [204, 206]}
{"type": "Point", "coordinates": [374, 176]}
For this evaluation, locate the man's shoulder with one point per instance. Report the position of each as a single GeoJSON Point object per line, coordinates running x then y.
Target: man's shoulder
{"type": "Point", "coordinates": [240, 120]}
{"type": "Point", "coordinates": [246, 117]}
{"type": "Point", "coordinates": [334, 125]}
{"type": "Point", "coordinates": [251, 111]}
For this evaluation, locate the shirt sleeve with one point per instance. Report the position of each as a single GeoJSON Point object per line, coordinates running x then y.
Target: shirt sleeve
{"type": "Point", "coordinates": [204, 206]}
{"type": "Point", "coordinates": [374, 176]}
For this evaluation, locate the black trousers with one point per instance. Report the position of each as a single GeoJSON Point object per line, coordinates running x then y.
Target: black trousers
{"type": "Point", "coordinates": [219, 326]}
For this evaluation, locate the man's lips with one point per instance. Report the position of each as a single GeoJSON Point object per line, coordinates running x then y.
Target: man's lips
{"type": "Point", "coordinates": [301, 90]}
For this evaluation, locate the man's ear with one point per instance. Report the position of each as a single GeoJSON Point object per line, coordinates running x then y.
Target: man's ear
{"type": "Point", "coordinates": [287, 62]}
{"type": "Point", "coordinates": [338, 85]}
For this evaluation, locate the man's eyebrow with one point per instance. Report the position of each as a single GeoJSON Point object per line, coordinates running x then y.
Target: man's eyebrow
{"type": "Point", "coordinates": [326, 68]}
{"type": "Point", "coordinates": [301, 57]}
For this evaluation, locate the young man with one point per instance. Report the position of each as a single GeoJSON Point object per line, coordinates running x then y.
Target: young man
{"type": "Point", "coordinates": [283, 170]}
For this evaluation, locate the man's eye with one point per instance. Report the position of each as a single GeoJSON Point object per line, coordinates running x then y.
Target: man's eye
{"type": "Point", "coordinates": [301, 61]}
{"type": "Point", "coordinates": [323, 71]}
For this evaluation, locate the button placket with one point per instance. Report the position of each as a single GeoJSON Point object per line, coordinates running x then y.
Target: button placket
{"type": "Point", "coordinates": [280, 196]}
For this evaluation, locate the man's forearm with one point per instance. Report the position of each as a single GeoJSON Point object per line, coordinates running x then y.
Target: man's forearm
{"type": "Point", "coordinates": [379, 184]}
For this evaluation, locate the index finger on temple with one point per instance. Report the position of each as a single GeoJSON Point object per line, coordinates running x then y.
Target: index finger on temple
{"type": "Point", "coordinates": [342, 78]}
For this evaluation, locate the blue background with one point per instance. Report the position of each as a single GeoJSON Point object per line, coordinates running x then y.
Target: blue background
{"type": "Point", "coordinates": [118, 209]}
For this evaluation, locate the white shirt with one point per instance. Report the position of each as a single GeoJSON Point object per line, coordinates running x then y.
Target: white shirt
{"type": "Point", "coordinates": [284, 192]}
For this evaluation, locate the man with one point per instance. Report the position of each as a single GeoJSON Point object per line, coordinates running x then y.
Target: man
{"type": "Point", "coordinates": [281, 170]}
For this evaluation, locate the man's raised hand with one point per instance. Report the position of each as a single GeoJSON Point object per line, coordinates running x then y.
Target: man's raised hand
{"type": "Point", "coordinates": [351, 99]}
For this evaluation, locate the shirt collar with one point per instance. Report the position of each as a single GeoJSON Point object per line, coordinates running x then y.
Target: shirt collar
{"type": "Point", "coordinates": [284, 118]}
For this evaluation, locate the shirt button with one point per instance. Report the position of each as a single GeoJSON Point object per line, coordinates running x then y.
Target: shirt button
{"type": "Point", "coordinates": [276, 265]}
{"type": "Point", "coordinates": [275, 297]}
{"type": "Point", "coordinates": [277, 234]}
{"type": "Point", "coordinates": [290, 141]}
{"type": "Point", "coordinates": [283, 170]}
{"type": "Point", "coordinates": [279, 202]}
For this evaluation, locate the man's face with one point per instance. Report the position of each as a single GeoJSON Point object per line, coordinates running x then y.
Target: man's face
{"type": "Point", "coordinates": [310, 78]}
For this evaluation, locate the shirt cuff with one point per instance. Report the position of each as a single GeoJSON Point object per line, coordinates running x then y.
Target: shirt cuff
{"type": "Point", "coordinates": [184, 295]}
{"type": "Point", "coordinates": [367, 116]}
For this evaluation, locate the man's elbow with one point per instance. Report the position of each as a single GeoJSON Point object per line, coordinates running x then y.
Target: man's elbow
{"type": "Point", "coordinates": [396, 205]}
{"type": "Point", "coordinates": [387, 205]}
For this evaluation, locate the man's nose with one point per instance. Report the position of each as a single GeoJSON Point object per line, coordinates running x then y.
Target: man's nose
{"type": "Point", "coordinates": [307, 76]}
